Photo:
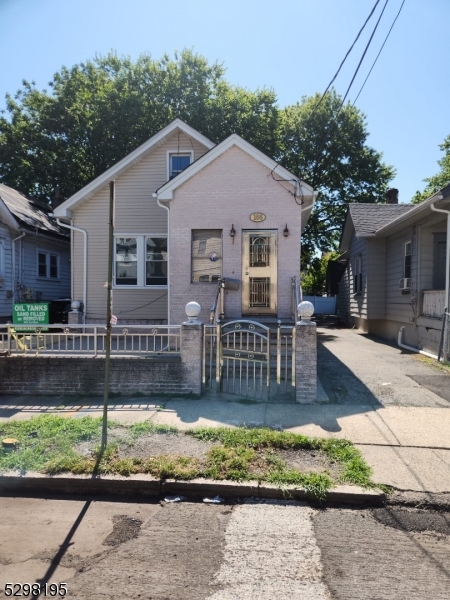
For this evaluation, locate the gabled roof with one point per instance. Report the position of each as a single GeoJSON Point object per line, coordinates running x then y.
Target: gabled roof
{"type": "Point", "coordinates": [165, 192]}
{"type": "Point", "coordinates": [368, 218]}
{"type": "Point", "coordinates": [24, 213]}
{"type": "Point", "coordinates": [64, 209]}
{"type": "Point", "coordinates": [440, 198]}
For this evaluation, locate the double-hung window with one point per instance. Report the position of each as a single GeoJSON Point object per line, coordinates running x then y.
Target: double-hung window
{"type": "Point", "coordinates": [357, 275]}
{"type": "Point", "coordinates": [47, 265]}
{"type": "Point", "coordinates": [140, 261]}
{"type": "Point", "coordinates": [178, 161]}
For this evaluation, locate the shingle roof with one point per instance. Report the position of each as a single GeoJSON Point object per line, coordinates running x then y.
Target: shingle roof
{"type": "Point", "coordinates": [28, 213]}
{"type": "Point", "coordinates": [367, 218]}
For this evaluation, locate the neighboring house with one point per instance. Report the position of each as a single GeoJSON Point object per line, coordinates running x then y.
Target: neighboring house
{"type": "Point", "coordinates": [34, 253]}
{"type": "Point", "coordinates": [187, 213]}
{"type": "Point", "coordinates": [395, 274]}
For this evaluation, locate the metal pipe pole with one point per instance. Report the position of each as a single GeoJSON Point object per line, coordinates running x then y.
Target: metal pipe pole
{"type": "Point", "coordinates": [108, 315]}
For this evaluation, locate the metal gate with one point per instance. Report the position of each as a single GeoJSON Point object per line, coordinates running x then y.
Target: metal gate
{"type": "Point", "coordinates": [245, 359]}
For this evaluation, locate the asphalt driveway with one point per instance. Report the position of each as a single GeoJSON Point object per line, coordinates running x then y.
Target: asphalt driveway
{"type": "Point", "coordinates": [355, 368]}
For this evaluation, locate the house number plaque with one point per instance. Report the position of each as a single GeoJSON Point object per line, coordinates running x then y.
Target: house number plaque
{"type": "Point", "coordinates": [257, 217]}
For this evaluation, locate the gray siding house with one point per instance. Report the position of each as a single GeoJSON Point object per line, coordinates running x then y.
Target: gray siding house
{"type": "Point", "coordinates": [396, 274]}
{"type": "Point", "coordinates": [188, 212]}
{"type": "Point", "coordinates": [34, 253]}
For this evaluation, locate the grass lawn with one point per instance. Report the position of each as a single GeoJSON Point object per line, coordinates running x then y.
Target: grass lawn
{"type": "Point", "coordinates": [52, 444]}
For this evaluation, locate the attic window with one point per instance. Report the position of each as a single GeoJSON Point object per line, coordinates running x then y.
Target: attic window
{"type": "Point", "coordinates": [178, 161]}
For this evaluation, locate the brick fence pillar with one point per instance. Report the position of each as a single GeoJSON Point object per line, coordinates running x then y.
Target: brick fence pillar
{"type": "Point", "coordinates": [192, 349]}
{"type": "Point", "coordinates": [306, 360]}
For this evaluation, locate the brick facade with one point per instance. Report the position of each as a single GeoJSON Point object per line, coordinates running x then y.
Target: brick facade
{"type": "Point", "coordinates": [223, 194]}
{"type": "Point", "coordinates": [306, 362]}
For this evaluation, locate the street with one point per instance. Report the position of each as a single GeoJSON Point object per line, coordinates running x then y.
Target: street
{"type": "Point", "coordinates": [255, 550]}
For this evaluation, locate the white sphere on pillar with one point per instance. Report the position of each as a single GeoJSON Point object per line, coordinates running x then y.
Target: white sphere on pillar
{"type": "Point", "coordinates": [192, 310]}
{"type": "Point", "coordinates": [75, 306]}
{"type": "Point", "coordinates": [305, 311]}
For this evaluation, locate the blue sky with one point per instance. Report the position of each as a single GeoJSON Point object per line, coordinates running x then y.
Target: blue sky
{"type": "Point", "coordinates": [292, 46]}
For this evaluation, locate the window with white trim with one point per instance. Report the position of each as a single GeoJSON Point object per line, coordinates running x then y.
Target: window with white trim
{"type": "Point", "coordinates": [178, 161]}
{"type": "Point", "coordinates": [140, 261]}
{"type": "Point", "coordinates": [206, 255]}
{"type": "Point", "coordinates": [357, 275]}
{"type": "Point", "coordinates": [47, 265]}
{"type": "Point", "coordinates": [407, 260]}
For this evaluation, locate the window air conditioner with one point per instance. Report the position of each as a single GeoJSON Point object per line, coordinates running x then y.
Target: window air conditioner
{"type": "Point", "coordinates": [405, 283]}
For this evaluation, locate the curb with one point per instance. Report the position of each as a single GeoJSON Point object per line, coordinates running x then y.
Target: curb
{"type": "Point", "coordinates": [145, 485]}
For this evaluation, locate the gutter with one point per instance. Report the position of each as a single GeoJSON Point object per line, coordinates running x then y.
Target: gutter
{"type": "Point", "coordinates": [410, 348]}
{"type": "Point", "coordinates": [84, 232]}
{"type": "Point", "coordinates": [158, 202]}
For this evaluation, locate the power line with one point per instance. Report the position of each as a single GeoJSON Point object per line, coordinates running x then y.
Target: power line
{"type": "Point", "coordinates": [374, 62]}
{"type": "Point", "coordinates": [331, 83]}
{"type": "Point", "coordinates": [364, 54]}
{"type": "Point", "coordinates": [346, 56]}
{"type": "Point", "coordinates": [333, 121]}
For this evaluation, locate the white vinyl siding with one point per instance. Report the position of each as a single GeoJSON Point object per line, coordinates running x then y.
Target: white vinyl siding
{"type": "Point", "coordinates": [136, 211]}
{"type": "Point", "coordinates": [376, 278]}
{"type": "Point", "coordinates": [398, 304]}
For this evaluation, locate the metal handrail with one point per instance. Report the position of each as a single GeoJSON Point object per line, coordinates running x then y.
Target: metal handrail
{"type": "Point", "coordinates": [296, 296]}
{"type": "Point", "coordinates": [213, 312]}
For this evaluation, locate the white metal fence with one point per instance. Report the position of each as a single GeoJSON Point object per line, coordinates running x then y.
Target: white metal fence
{"type": "Point", "coordinates": [90, 340]}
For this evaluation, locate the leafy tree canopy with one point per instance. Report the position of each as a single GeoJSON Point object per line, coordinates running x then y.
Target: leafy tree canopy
{"type": "Point", "coordinates": [326, 146]}
{"type": "Point", "coordinates": [98, 111]}
{"type": "Point", "coordinates": [439, 181]}
{"type": "Point", "coordinates": [314, 279]}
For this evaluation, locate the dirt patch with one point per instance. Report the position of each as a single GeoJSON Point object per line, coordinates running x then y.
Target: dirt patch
{"type": "Point", "coordinates": [181, 445]}
{"type": "Point", "coordinates": [124, 529]}
{"type": "Point", "coordinates": [152, 444]}
{"type": "Point", "coordinates": [310, 461]}
{"type": "Point", "coordinates": [164, 443]}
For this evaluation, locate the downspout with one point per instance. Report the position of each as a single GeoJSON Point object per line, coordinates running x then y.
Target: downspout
{"type": "Point", "coordinates": [158, 202]}
{"type": "Point", "coordinates": [14, 264]}
{"type": "Point", "coordinates": [410, 348]}
{"type": "Point", "coordinates": [310, 206]}
{"type": "Point", "coordinates": [447, 259]}
{"type": "Point", "coordinates": [84, 232]}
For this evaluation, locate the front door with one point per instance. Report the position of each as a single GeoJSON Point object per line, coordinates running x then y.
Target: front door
{"type": "Point", "coordinates": [259, 272]}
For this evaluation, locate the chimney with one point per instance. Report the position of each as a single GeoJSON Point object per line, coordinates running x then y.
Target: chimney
{"type": "Point", "coordinates": [391, 196]}
{"type": "Point", "coordinates": [57, 198]}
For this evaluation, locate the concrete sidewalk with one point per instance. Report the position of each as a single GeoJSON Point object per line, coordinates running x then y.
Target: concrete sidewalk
{"type": "Point", "coordinates": [407, 447]}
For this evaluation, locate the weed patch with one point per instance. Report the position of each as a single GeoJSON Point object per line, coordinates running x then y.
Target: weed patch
{"type": "Point", "coordinates": [49, 444]}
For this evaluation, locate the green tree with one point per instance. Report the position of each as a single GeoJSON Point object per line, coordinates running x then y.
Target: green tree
{"type": "Point", "coordinates": [327, 147]}
{"type": "Point", "coordinates": [314, 278]}
{"type": "Point", "coordinates": [439, 181]}
{"type": "Point", "coordinates": [99, 111]}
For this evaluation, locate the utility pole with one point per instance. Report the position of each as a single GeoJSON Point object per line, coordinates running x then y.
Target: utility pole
{"type": "Point", "coordinates": [108, 314]}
